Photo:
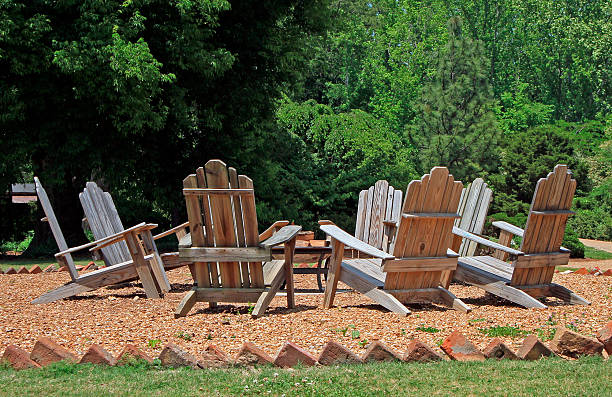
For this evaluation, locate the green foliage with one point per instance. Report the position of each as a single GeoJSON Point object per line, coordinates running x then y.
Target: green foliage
{"type": "Point", "coordinates": [457, 126]}
{"type": "Point", "coordinates": [431, 330]}
{"type": "Point", "coordinates": [330, 157]}
{"type": "Point", "coordinates": [503, 331]}
{"type": "Point", "coordinates": [571, 242]}
{"type": "Point", "coordinates": [593, 218]}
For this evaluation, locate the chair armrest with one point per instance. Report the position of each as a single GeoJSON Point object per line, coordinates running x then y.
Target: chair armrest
{"type": "Point", "coordinates": [484, 241]}
{"type": "Point", "coordinates": [510, 228]}
{"type": "Point", "coordinates": [108, 240]}
{"type": "Point", "coordinates": [353, 242]}
{"type": "Point", "coordinates": [175, 229]}
{"type": "Point", "coordinates": [266, 234]}
{"type": "Point", "coordinates": [282, 236]}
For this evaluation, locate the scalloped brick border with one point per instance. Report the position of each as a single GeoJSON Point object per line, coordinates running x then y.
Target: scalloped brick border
{"type": "Point", "coordinates": [291, 354]}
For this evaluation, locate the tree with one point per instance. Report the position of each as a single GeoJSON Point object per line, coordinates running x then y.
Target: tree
{"type": "Point", "coordinates": [457, 127]}
{"type": "Point", "coordinates": [138, 94]}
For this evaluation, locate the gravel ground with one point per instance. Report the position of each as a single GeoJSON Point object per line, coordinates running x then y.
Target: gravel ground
{"type": "Point", "coordinates": [113, 317]}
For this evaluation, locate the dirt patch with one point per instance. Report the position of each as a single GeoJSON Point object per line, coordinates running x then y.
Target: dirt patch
{"type": "Point", "coordinates": [113, 317]}
{"type": "Point", "coordinates": [597, 244]}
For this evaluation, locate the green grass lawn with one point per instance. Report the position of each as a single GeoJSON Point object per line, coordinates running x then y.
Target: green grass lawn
{"type": "Point", "coordinates": [596, 254]}
{"type": "Point", "coordinates": [587, 376]}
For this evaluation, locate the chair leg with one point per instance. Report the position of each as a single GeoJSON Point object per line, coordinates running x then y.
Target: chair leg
{"type": "Point", "coordinates": [186, 304]}
{"type": "Point", "coordinates": [452, 301]}
{"type": "Point", "coordinates": [65, 291]}
{"type": "Point", "coordinates": [333, 274]}
{"type": "Point", "coordinates": [568, 296]}
{"type": "Point", "coordinates": [266, 297]}
{"type": "Point", "coordinates": [385, 299]}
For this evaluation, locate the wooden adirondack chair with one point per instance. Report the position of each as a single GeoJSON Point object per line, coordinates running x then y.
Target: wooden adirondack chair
{"type": "Point", "coordinates": [143, 260]}
{"type": "Point", "coordinates": [420, 250]}
{"type": "Point", "coordinates": [530, 274]}
{"type": "Point", "coordinates": [225, 245]}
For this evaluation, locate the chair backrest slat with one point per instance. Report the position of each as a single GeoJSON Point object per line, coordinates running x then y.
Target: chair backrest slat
{"type": "Point", "coordinates": [54, 225]}
{"type": "Point", "coordinates": [473, 207]}
{"type": "Point", "coordinates": [103, 220]}
{"type": "Point", "coordinates": [377, 204]}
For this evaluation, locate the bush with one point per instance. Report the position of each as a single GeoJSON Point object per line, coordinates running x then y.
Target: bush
{"type": "Point", "coordinates": [571, 242]}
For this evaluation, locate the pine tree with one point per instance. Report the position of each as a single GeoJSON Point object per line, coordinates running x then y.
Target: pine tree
{"type": "Point", "coordinates": [457, 127]}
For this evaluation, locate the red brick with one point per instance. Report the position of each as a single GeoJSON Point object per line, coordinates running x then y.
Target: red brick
{"type": "Point", "coordinates": [174, 356]}
{"type": "Point", "coordinates": [497, 349]}
{"type": "Point", "coordinates": [318, 243]}
{"type": "Point", "coordinates": [10, 270]}
{"type": "Point", "coordinates": [303, 265]}
{"type": "Point", "coordinates": [305, 235]}
{"type": "Point", "coordinates": [46, 351]}
{"type": "Point", "coordinates": [35, 269]}
{"type": "Point", "coordinates": [291, 354]}
{"type": "Point", "coordinates": [79, 268]}
{"type": "Point", "coordinates": [213, 357]}
{"type": "Point", "coordinates": [23, 270]}
{"type": "Point", "coordinates": [377, 351]}
{"type": "Point", "coordinates": [459, 348]}
{"type": "Point", "coordinates": [98, 355]}
{"type": "Point", "coordinates": [63, 268]}
{"type": "Point", "coordinates": [18, 358]}
{"type": "Point", "coordinates": [334, 353]}
{"type": "Point", "coordinates": [533, 349]}
{"type": "Point", "coordinates": [50, 269]}
{"type": "Point", "coordinates": [90, 266]}
{"type": "Point", "coordinates": [607, 272]}
{"type": "Point", "coordinates": [573, 344]}
{"type": "Point", "coordinates": [250, 355]}
{"type": "Point", "coordinates": [301, 243]}
{"type": "Point", "coordinates": [420, 352]}
{"type": "Point", "coordinates": [131, 353]}
{"type": "Point", "coordinates": [582, 271]}
{"type": "Point", "coordinates": [605, 336]}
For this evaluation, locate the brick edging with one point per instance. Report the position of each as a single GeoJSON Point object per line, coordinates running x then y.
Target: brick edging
{"type": "Point", "coordinates": [456, 346]}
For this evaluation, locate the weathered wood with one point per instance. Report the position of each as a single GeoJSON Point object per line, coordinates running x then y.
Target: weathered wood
{"type": "Point", "coordinates": [336, 233]}
{"type": "Point", "coordinates": [421, 264]}
{"type": "Point", "coordinates": [55, 227]}
{"type": "Point", "coordinates": [276, 226]}
{"type": "Point", "coordinates": [517, 231]}
{"type": "Point", "coordinates": [539, 260]}
{"type": "Point", "coordinates": [473, 207]}
{"type": "Point", "coordinates": [186, 304]}
{"type": "Point", "coordinates": [155, 262]}
{"type": "Point", "coordinates": [231, 249]}
{"type": "Point", "coordinates": [141, 265]}
{"type": "Point", "coordinates": [505, 238]}
{"type": "Point", "coordinates": [496, 285]}
{"type": "Point", "coordinates": [532, 271]}
{"type": "Point", "coordinates": [419, 241]}
{"type": "Point", "coordinates": [226, 254]}
{"type": "Point", "coordinates": [245, 295]}
{"type": "Point", "coordinates": [288, 266]}
{"type": "Point", "coordinates": [284, 235]}
{"type": "Point", "coordinates": [352, 277]}
{"type": "Point", "coordinates": [179, 231]}
{"type": "Point", "coordinates": [484, 241]}
{"type": "Point", "coordinates": [276, 275]}
{"type": "Point", "coordinates": [334, 271]}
